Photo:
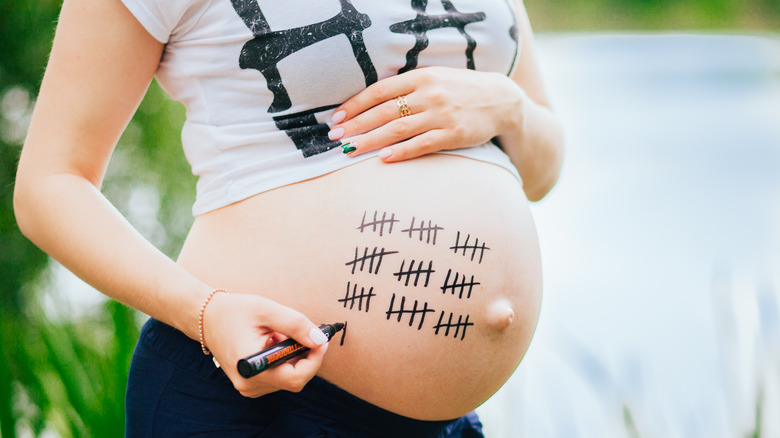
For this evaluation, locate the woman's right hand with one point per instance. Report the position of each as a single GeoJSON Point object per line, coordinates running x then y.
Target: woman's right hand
{"type": "Point", "coordinates": [238, 325]}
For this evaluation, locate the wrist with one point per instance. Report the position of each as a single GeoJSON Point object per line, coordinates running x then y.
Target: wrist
{"type": "Point", "coordinates": [201, 315]}
{"type": "Point", "coordinates": [516, 117]}
{"type": "Point", "coordinates": [513, 102]}
{"type": "Point", "coordinates": [511, 122]}
{"type": "Point", "coordinates": [187, 314]}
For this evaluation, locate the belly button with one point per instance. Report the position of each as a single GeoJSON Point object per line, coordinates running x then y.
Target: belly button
{"type": "Point", "coordinates": [500, 315]}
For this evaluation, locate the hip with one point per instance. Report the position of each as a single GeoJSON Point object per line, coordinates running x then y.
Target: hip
{"type": "Point", "coordinates": [174, 390]}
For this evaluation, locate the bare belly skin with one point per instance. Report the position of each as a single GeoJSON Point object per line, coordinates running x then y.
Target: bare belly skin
{"type": "Point", "coordinates": [433, 264]}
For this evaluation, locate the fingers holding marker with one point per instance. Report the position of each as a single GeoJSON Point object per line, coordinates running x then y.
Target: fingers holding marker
{"type": "Point", "coordinates": [279, 353]}
{"type": "Point", "coordinates": [237, 325]}
{"type": "Point", "coordinates": [291, 323]}
{"type": "Point", "coordinates": [293, 375]}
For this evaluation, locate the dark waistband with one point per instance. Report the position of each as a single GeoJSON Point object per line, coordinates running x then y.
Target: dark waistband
{"type": "Point", "coordinates": [320, 399]}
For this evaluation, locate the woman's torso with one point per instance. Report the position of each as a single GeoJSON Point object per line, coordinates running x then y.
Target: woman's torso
{"type": "Point", "coordinates": [427, 293]}
{"type": "Point", "coordinates": [426, 261]}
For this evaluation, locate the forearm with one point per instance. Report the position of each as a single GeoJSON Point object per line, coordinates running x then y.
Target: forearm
{"type": "Point", "coordinates": [533, 140]}
{"type": "Point", "coordinates": [531, 133]}
{"type": "Point", "coordinates": [68, 217]}
{"type": "Point", "coordinates": [79, 115]}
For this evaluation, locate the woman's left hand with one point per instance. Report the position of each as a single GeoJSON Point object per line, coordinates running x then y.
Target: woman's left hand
{"type": "Point", "coordinates": [449, 108]}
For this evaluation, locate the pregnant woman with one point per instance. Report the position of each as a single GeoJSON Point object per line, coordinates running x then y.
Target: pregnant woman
{"type": "Point", "coordinates": [359, 161]}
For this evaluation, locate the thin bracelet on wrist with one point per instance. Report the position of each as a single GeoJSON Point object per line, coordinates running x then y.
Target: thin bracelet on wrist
{"type": "Point", "coordinates": [200, 319]}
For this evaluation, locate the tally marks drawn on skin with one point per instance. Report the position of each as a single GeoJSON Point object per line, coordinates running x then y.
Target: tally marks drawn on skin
{"type": "Point", "coordinates": [447, 326]}
{"type": "Point", "coordinates": [473, 247]}
{"type": "Point", "coordinates": [355, 297]}
{"type": "Point", "coordinates": [417, 272]}
{"type": "Point", "coordinates": [460, 287]}
{"type": "Point", "coordinates": [413, 312]}
{"type": "Point", "coordinates": [378, 223]}
{"type": "Point", "coordinates": [429, 231]}
{"type": "Point", "coordinates": [376, 255]}
{"type": "Point", "coordinates": [343, 334]}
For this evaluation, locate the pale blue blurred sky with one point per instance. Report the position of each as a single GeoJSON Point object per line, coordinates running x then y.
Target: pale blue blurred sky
{"type": "Point", "coordinates": [657, 243]}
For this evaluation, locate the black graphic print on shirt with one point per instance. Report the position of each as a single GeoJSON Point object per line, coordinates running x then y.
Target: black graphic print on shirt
{"type": "Point", "coordinates": [310, 137]}
{"type": "Point", "coordinates": [423, 23]}
{"type": "Point", "coordinates": [269, 47]}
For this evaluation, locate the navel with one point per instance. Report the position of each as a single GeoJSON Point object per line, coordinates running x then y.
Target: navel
{"type": "Point", "coordinates": [500, 314]}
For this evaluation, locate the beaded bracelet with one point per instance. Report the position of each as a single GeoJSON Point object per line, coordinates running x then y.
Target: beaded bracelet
{"type": "Point", "coordinates": [200, 319]}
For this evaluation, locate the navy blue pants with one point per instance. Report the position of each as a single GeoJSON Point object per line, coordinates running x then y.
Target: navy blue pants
{"type": "Point", "coordinates": [174, 390]}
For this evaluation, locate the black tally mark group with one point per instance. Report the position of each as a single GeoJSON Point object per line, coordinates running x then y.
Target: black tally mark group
{"type": "Point", "coordinates": [413, 273]}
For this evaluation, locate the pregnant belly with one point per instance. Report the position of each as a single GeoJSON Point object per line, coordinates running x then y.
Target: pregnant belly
{"type": "Point", "coordinates": [433, 264]}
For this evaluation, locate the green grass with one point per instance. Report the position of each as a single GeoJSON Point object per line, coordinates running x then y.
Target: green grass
{"type": "Point", "coordinates": [655, 15]}
{"type": "Point", "coordinates": [68, 376]}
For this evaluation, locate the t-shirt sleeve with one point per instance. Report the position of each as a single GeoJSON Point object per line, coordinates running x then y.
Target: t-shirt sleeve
{"type": "Point", "coordinates": [158, 17]}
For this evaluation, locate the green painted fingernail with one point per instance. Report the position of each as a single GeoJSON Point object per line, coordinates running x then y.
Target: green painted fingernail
{"type": "Point", "coordinates": [347, 148]}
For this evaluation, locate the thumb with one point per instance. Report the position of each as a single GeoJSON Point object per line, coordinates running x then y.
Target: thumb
{"type": "Point", "coordinates": [294, 324]}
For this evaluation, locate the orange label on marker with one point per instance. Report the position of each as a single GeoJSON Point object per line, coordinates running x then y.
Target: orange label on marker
{"type": "Point", "coordinates": [283, 353]}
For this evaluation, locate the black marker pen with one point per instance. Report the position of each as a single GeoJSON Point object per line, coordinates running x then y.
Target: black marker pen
{"type": "Point", "coordinates": [280, 352]}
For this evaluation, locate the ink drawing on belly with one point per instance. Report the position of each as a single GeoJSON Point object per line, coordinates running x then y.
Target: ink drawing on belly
{"type": "Point", "coordinates": [407, 303]}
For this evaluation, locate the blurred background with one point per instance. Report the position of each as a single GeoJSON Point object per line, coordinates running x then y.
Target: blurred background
{"type": "Point", "coordinates": [660, 243]}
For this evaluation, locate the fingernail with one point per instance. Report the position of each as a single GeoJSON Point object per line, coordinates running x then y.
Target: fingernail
{"type": "Point", "coordinates": [339, 116]}
{"type": "Point", "coordinates": [385, 153]}
{"type": "Point", "coordinates": [349, 147]}
{"type": "Point", "coordinates": [336, 134]}
{"type": "Point", "coordinates": [317, 336]}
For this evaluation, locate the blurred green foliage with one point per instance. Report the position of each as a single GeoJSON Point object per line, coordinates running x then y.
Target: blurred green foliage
{"type": "Point", "coordinates": [63, 374]}
{"type": "Point", "coordinates": [22, 57]}
{"type": "Point", "coordinates": [68, 374]}
{"type": "Point", "coordinates": [21, 66]}
{"type": "Point", "coordinates": [690, 15]}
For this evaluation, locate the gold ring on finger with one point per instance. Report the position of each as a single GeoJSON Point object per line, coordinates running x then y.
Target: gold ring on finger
{"type": "Point", "coordinates": [403, 106]}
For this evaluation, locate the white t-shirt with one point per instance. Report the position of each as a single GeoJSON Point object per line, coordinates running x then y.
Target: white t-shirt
{"type": "Point", "coordinates": [260, 78]}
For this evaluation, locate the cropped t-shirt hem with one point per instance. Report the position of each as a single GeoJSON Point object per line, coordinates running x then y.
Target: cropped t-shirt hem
{"type": "Point", "coordinates": [230, 193]}
{"type": "Point", "coordinates": [260, 80]}
{"type": "Point", "coordinates": [233, 192]}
